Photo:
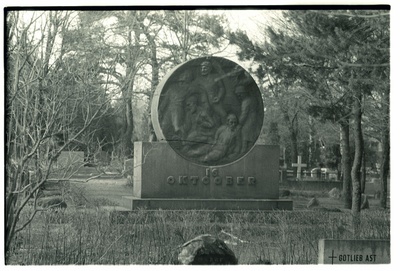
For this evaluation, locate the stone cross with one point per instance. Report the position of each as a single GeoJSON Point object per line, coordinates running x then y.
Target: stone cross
{"type": "Point", "coordinates": [299, 165]}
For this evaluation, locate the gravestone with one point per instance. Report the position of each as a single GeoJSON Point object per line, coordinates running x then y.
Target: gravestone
{"type": "Point", "coordinates": [314, 202]}
{"type": "Point", "coordinates": [207, 114]}
{"type": "Point", "coordinates": [299, 165]}
{"type": "Point", "coordinates": [128, 167]}
{"type": "Point", "coordinates": [70, 159]}
{"type": "Point", "coordinates": [334, 193]}
{"type": "Point", "coordinates": [102, 158]}
{"type": "Point", "coordinates": [68, 163]}
{"type": "Point", "coordinates": [332, 251]}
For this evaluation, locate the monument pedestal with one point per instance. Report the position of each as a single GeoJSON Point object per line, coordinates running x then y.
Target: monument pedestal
{"type": "Point", "coordinates": [165, 180]}
{"type": "Point", "coordinates": [208, 204]}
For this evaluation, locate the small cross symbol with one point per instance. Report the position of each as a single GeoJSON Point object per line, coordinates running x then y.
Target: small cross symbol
{"type": "Point", "coordinates": [299, 165]}
{"type": "Point", "coordinates": [332, 257]}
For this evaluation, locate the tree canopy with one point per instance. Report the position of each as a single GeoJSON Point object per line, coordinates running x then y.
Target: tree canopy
{"type": "Point", "coordinates": [338, 61]}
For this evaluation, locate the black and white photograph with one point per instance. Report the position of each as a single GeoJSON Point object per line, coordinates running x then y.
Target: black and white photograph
{"type": "Point", "coordinates": [162, 135]}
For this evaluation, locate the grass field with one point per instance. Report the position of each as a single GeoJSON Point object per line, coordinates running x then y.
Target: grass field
{"type": "Point", "coordinates": [86, 234]}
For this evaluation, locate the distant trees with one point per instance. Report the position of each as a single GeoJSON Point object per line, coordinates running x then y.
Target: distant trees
{"type": "Point", "coordinates": [84, 79]}
{"type": "Point", "coordinates": [291, 102]}
{"type": "Point", "coordinates": [139, 46]}
{"type": "Point", "coordinates": [341, 58]}
{"type": "Point", "coordinates": [51, 102]}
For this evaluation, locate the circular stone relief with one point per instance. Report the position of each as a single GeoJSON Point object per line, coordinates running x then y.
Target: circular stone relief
{"type": "Point", "coordinates": [209, 110]}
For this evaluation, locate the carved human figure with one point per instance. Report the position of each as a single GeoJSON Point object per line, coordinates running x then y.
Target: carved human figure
{"type": "Point", "coordinates": [226, 144]}
{"type": "Point", "coordinates": [214, 90]}
{"type": "Point", "coordinates": [174, 105]}
{"type": "Point", "coordinates": [240, 76]}
{"type": "Point", "coordinates": [227, 141]}
{"type": "Point", "coordinates": [191, 108]}
{"type": "Point", "coordinates": [199, 126]}
{"type": "Point", "coordinates": [247, 118]}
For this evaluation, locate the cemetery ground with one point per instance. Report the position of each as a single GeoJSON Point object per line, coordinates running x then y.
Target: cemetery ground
{"type": "Point", "coordinates": [86, 233]}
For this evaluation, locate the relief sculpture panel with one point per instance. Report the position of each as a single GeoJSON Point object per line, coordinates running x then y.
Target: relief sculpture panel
{"type": "Point", "coordinates": [209, 110]}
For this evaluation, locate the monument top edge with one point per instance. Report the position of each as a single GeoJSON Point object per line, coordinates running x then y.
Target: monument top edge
{"type": "Point", "coordinates": [209, 110]}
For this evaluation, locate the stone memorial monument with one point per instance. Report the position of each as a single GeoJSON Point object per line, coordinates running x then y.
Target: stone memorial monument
{"type": "Point", "coordinates": [207, 114]}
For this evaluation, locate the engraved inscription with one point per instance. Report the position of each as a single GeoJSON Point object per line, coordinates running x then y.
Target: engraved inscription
{"type": "Point", "coordinates": [214, 172]}
{"type": "Point", "coordinates": [183, 179]}
{"type": "Point", "coordinates": [218, 180]}
{"type": "Point", "coordinates": [251, 180]}
{"type": "Point", "coordinates": [229, 180]}
{"type": "Point", "coordinates": [171, 180]}
{"type": "Point", "coordinates": [194, 179]}
{"type": "Point", "coordinates": [240, 180]}
{"type": "Point", "coordinates": [205, 180]}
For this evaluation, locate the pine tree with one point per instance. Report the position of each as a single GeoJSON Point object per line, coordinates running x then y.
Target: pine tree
{"type": "Point", "coordinates": [341, 57]}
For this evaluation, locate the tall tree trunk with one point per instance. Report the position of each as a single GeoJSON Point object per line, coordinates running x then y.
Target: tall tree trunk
{"type": "Point", "coordinates": [346, 162]}
{"type": "Point", "coordinates": [11, 199]}
{"type": "Point", "coordinates": [384, 172]}
{"type": "Point", "coordinates": [385, 159]}
{"type": "Point", "coordinates": [154, 83]}
{"type": "Point", "coordinates": [359, 145]}
{"type": "Point", "coordinates": [185, 40]}
{"type": "Point", "coordinates": [293, 145]}
{"type": "Point", "coordinates": [363, 172]}
{"type": "Point", "coordinates": [293, 129]}
{"type": "Point", "coordinates": [311, 142]}
{"type": "Point", "coordinates": [128, 119]}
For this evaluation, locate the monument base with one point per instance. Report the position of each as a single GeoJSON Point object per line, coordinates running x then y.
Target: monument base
{"type": "Point", "coordinates": [133, 203]}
